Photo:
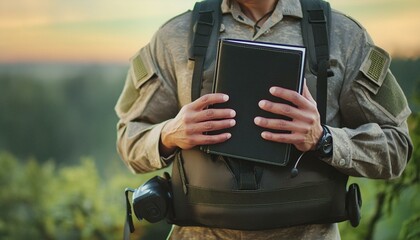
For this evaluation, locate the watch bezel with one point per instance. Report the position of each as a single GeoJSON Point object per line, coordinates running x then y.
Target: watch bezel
{"type": "Point", "coordinates": [325, 146]}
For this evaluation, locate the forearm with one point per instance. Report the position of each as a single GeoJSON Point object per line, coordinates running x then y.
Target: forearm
{"type": "Point", "coordinates": [371, 150]}
{"type": "Point", "coordinates": [138, 146]}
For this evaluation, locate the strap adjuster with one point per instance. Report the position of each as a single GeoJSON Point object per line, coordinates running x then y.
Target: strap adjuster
{"type": "Point", "coordinates": [316, 16]}
{"type": "Point", "coordinates": [206, 22]}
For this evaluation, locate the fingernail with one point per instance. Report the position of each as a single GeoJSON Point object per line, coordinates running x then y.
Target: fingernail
{"type": "Point", "coordinates": [264, 135]}
{"type": "Point", "coordinates": [232, 122]}
{"type": "Point", "coordinates": [228, 135]}
{"type": "Point", "coordinates": [232, 113]}
{"type": "Point", "coordinates": [225, 97]}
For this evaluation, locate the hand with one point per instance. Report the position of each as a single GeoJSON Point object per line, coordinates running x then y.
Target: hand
{"type": "Point", "coordinates": [187, 129]}
{"type": "Point", "coordinates": [305, 127]}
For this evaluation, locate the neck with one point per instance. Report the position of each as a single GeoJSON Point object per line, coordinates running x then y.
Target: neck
{"type": "Point", "coordinates": [256, 9]}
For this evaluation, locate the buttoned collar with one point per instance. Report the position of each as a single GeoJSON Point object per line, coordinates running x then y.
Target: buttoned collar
{"type": "Point", "coordinates": [283, 8]}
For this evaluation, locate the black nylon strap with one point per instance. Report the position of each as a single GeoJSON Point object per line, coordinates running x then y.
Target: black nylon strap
{"type": "Point", "coordinates": [128, 226]}
{"type": "Point", "coordinates": [214, 197]}
{"type": "Point", "coordinates": [315, 25]}
{"type": "Point", "coordinates": [205, 31]}
{"type": "Point", "coordinates": [247, 178]}
{"type": "Point", "coordinates": [319, 28]}
{"type": "Point", "coordinates": [126, 234]}
{"type": "Point", "coordinates": [197, 78]}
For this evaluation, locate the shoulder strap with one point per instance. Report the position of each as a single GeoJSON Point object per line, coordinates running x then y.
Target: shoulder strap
{"type": "Point", "coordinates": [315, 25]}
{"type": "Point", "coordinates": [205, 23]}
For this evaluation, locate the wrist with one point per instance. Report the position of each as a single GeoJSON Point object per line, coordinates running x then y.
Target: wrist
{"type": "Point", "coordinates": [318, 138]}
{"type": "Point", "coordinates": [324, 146]}
{"type": "Point", "coordinates": [166, 148]}
{"type": "Point", "coordinates": [166, 151]}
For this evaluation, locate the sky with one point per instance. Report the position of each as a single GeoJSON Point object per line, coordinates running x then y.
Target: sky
{"type": "Point", "coordinates": [112, 31]}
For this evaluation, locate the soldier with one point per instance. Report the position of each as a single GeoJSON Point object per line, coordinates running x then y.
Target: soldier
{"type": "Point", "coordinates": [367, 111]}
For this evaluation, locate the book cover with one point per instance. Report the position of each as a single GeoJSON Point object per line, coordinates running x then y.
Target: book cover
{"type": "Point", "coordinates": [245, 71]}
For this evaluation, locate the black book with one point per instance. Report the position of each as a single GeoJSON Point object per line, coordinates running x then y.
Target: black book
{"type": "Point", "coordinates": [245, 71]}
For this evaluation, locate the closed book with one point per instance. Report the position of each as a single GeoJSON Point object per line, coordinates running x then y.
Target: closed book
{"type": "Point", "coordinates": [246, 70]}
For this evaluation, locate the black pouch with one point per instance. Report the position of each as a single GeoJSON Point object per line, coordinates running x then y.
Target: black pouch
{"type": "Point", "coordinates": [354, 204]}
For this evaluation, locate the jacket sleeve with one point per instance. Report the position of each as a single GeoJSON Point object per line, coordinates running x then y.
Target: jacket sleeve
{"type": "Point", "coordinates": [373, 140]}
{"type": "Point", "coordinates": [147, 101]}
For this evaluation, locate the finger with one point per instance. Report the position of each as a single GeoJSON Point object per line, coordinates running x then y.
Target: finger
{"type": "Point", "coordinates": [291, 138]}
{"type": "Point", "coordinates": [291, 96]}
{"type": "Point", "coordinates": [281, 109]}
{"type": "Point", "coordinates": [299, 141]}
{"type": "Point", "coordinates": [279, 124]}
{"type": "Point", "coordinates": [210, 126]}
{"type": "Point", "coordinates": [209, 99]}
{"type": "Point", "coordinates": [209, 139]}
{"type": "Point", "coordinates": [213, 113]}
{"type": "Point", "coordinates": [298, 115]}
{"type": "Point", "coordinates": [283, 125]}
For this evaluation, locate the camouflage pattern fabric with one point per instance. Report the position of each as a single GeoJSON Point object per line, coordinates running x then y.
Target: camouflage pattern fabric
{"type": "Point", "coordinates": [367, 111]}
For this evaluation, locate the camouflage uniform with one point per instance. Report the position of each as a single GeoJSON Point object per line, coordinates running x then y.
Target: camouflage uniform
{"type": "Point", "coordinates": [367, 111]}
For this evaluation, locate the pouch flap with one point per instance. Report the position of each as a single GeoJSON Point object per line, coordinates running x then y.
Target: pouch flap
{"type": "Point", "coordinates": [375, 67]}
{"type": "Point", "coordinates": [141, 68]}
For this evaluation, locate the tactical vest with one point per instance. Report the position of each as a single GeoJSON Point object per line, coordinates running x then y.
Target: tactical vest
{"type": "Point", "coordinates": [215, 191]}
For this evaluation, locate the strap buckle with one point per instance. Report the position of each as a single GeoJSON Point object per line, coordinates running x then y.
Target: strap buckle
{"type": "Point", "coordinates": [317, 16]}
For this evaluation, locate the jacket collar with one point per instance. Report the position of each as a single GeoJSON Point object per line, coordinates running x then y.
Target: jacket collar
{"type": "Point", "coordinates": [284, 8]}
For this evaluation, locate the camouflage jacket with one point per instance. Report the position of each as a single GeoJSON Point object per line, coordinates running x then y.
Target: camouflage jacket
{"type": "Point", "coordinates": [367, 110]}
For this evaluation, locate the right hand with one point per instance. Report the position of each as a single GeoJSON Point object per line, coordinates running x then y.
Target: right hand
{"type": "Point", "coordinates": [188, 128]}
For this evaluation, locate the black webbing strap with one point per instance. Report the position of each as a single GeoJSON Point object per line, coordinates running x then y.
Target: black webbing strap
{"type": "Point", "coordinates": [247, 174]}
{"type": "Point", "coordinates": [319, 191]}
{"type": "Point", "coordinates": [315, 25]}
{"type": "Point", "coordinates": [128, 226]}
{"type": "Point", "coordinates": [127, 232]}
{"type": "Point", "coordinates": [204, 32]}
{"type": "Point", "coordinates": [247, 178]}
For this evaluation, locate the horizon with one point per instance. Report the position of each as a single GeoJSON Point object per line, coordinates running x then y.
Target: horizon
{"type": "Point", "coordinates": [111, 32]}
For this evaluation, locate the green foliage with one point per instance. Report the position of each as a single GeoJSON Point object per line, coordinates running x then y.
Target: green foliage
{"type": "Point", "coordinates": [408, 76]}
{"type": "Point", "coordinates": [59, 112]}
{"type": "Point", "coordinates": [390, 208]}
{"type": "Point", "coordinates": [39, 201]}
{"type": "Point", "coordinates": [411, 229]}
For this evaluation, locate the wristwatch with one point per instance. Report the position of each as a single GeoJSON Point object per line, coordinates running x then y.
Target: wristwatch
{"type": "Point", "coordinates": [324, 147]}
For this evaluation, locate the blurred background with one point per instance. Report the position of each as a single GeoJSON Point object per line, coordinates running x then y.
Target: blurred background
{"type": "Point", "coordinates": [62, 68]}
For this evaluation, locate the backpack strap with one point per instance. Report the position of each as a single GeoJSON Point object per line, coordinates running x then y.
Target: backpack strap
{"type": "Point", "coordinates": [315, 25]}
{"type": "Point", "coordinates": [206, 20]}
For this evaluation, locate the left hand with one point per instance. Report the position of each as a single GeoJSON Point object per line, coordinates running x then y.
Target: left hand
{"type": "Point", "coordinates": [305, 127]}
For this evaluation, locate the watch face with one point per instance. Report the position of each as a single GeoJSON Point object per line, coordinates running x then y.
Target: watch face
{"type": "Point", "coordinates": [327, 145]}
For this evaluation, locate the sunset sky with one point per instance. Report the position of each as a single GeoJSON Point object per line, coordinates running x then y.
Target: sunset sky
{"type": "Point", "coordinates": [111, 31]}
